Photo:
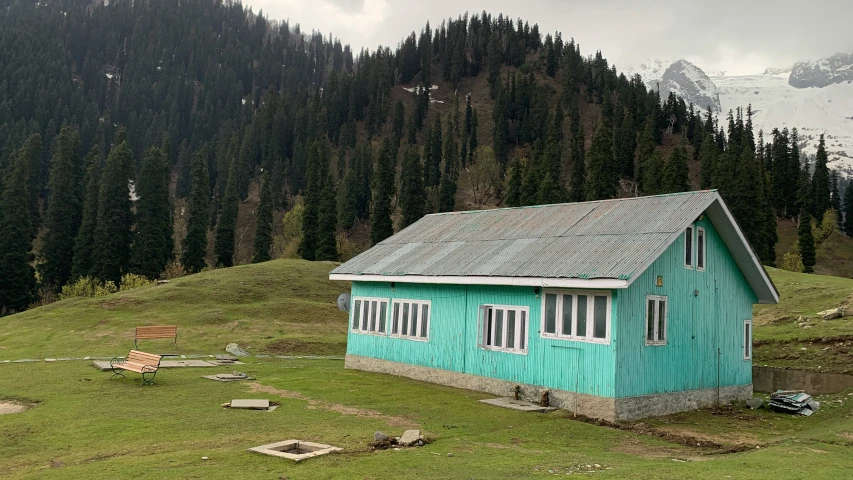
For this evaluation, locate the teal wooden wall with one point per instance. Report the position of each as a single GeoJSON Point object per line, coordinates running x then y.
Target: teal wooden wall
{"type": "Point", "coordinates": [698, 325]}
{"type": "Point", "coordinates": [562, 364]}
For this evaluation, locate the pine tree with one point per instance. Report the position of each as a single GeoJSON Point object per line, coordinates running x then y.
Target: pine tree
{"type": "Point", "coordinates": [383, 190]}
{"type": "Point", "coordinates": [226, 227]}
{"type": "Point", "coordinates": [348, 200]}
{"type": "Point", "coordinates": [63, 211]}
{"type": "Point", "coordinates": [806, 241]}
{"type": "Point", "coordinates": [112, 239]}
{"type": "Point", "coordinates": [263, 231]}
{"type": "Point", "coordinates": [513, 194]}
{"type": "Point", "coordinates": [412, 195]}
{"type": "Point", "coordinates": [603, 176]}
{"type": "Point", "coordinates": [676, 172]}
{"type": "Point", "coordinates": [652, 180]}
{"type": "Point", "coordinates": [577, 190]}
{"type": "Point", "coordinates": [82, 265]}
{"type": "Point", "coordinates": [848, 209]}
{"type": "Point", "coordinates": [804, 189]}
{"type": "Point", "coordinates": [153, 241]}
{"type": "Point", "coordinates": [327, 246]}
{"type": "Point", "coordinates": [821, 201]}
{"type": "Point", "coordinates": [835, 198]}
{"type": "Point", "coordinates": [32, 156]}
{"type": "Point", "coordinates": [707, 161]}
{"type": "Point", "coordinates": [313, 197]}
{"type": "Point", "coordinates": [17, 276]}
{"type": "Point", "coordinates": [195, 243]}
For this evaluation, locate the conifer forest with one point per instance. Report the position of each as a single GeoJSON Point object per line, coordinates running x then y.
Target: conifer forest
{"type": "Point", "coordinates": [157, 138]}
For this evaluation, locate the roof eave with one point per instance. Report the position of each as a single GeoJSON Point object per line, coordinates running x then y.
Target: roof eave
{"type": "Point", "coordinates": [582, 283]}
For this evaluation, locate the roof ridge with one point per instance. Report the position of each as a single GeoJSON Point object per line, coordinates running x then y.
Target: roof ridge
{"type": "Point", "coordinates": [608, 200]}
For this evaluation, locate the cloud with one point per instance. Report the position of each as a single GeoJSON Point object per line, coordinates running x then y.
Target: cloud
{"type": "Point", "coordinates": [740, 36]}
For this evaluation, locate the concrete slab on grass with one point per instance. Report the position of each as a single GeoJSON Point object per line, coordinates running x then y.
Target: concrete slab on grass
{"type": "Point", "coordinates": [251, 404]}
{"type": "Point", "coordinates": [105, 366]}
{"type": "Point", "coordinates": [227, 377]}
{"type": "Point", "coordinates": [519, 405]}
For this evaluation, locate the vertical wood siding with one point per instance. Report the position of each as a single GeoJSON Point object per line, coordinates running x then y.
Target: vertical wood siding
{"type": "Point", "coordinates": [697, 324]}
{"type": "Point", "coordinates": [454, 337]}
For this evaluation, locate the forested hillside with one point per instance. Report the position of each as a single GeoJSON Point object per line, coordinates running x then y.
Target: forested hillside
{"type": "Point", "coordinates": [160, 137]}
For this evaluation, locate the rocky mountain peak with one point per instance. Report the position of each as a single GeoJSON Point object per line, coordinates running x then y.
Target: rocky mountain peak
{"type": "Point", "coordinates": [823, 72]}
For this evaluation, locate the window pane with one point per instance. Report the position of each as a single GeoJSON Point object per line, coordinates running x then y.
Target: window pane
{"type": "Point", "coordinates": [747, 341]}
{"type": "Point", "coordinates": [550, 313]}
{"type": "Point", "coordinates": [650, 321]}
{"type": "Point", "coordinates": [523, 340]}
{"type": "Point", "coordinates": [405, 329]}
{"type": "Point", "coordinates": [700, 249]}
{"type": "Point", "coordinates": [356, 314]}
{"type": "Point", "coordinates": [580, 331]}
{"type": "Point", "coordinates": [373, 312]}
{"type": "Point", "coordinates": [365, 317]}
{"type": "Point", "coordinates": [688, 247]}
{"type": "Point", "coordinates": [499, 326]}
{"type": "Point", "coordinates": [383, 311]}
{"type": "Point", "coordinates": [510, 328]}
{"type": "Point", "coordinates": [567, 315]}
{"type": "Point", "coordinates": [489, 313]}
{"type": "Point", "coordinates": [413, 331]}
{"type": "Point", "coordinates": [424, 320]}
{"type": "Point", "coordinates": [395, 319]}
{"type": "Point", "coordinates": [600, 318]}
{"type": "Point", "coordinates": [661, 320]}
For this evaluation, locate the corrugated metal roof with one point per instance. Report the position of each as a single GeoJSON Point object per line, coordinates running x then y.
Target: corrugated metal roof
{"type": "Point", "coordinates": [610, 239]}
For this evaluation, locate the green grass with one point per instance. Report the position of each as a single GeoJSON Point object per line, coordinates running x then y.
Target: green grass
{"type": "Point", "coordinates": [285, 306]}
{"type": "Point", "coordinates": [85, 426]}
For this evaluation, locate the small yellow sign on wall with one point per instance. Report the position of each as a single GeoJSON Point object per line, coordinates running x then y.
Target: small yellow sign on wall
{"type": "Point", "coordinates": [659, 281]}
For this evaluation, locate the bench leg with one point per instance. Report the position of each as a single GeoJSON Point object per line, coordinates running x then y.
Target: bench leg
{"type": "Point", "coordinates": [117, 372]}
{"type": "Point", "coordinates": [148, 380]}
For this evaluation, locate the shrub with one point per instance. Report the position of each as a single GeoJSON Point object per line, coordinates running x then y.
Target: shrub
{"type": "Point", "coordinates": [87, 287]}
{"type": "Point", "coordinates": [131, 280]}
{"type": "Point", "coordinates": [793, 262]}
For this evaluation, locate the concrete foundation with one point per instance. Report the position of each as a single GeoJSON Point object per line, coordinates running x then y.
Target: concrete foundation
{"type": "Point", "coordinates": [610, 409]}
{"type": "Point", "coordinates": [770, 379]}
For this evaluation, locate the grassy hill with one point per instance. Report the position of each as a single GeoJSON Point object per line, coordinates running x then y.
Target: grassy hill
{"type": "Point", "coordinates": [834, 257]}
{"type": "Point", "coordinates": [283, 306]}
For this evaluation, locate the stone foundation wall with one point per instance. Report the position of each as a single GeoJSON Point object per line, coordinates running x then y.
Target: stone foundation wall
{"type": "Point", "coordinates": [610, 409]}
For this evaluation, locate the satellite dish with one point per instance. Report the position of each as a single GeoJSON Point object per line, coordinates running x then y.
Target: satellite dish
{"type": "Point", "coordinates": [343, 302]}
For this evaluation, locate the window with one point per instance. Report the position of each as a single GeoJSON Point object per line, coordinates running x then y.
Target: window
{"type": "Point", "coordinates": [700, 249]}
{"type": "Point", "coordinates": [747, 339]}
{"type": "Point", "coordinates": [369, 314]}
{"type": "Point", "coordinates": [656, 320]}
{"type": "Point", "coordinates": [504, 328]}
{"type": "Point", "coordinates": [582, 316]}
{"type": "Point", "coordinates": [410, 319]}
{"type": "Point", "coordinates": [688, 247]}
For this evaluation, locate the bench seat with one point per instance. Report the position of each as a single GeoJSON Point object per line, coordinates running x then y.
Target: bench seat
{"type": "Point", "coordinates": [139, 362]}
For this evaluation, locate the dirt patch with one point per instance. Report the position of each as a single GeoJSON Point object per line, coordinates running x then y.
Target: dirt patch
{"type": "Point", "coordinates": [292, 346]}
{"type": "Point", "coordinates": [697, 442]}
{"type": "Point", "coordinates": [391, 420]}
{"type": "Point", "coordinates": [12, 407]}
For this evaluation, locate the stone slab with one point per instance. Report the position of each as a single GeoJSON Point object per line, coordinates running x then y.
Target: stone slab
{"type": "Point", "coordinates": [310, 449]}
{"type": "Point", "coordinates": [105, 365]}
{"type": "Point", "coordinates": [252, 404]}
{"type": "Point", "coordinates": [227, 377]}
{"type": "Point", "coordinates": [519, 405]}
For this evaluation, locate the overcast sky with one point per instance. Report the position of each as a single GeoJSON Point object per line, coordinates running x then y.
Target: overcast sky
{"type": "Point", "coordinates": [738, 36]}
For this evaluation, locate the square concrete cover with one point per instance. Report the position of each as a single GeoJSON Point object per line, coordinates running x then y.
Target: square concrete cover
{"type": "Point", "coordinates": [519, 405]}
{"type": "Point", "coordinates": [281, 449]}
{"type": "Point", "coordinates": [251, 404]}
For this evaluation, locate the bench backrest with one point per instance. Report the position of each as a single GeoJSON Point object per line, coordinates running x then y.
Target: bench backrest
{"type": "Point", "coordinates": [159, 331]}
{"type": "Point", "coordinates": [142, 358]}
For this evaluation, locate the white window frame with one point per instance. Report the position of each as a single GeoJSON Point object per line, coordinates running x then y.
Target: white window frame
{"type": "Point", "coordinates": [659, 340]}
{"type": "Point", "coordinates": [394, 327]}
{"type": "Point", "coordinates": [689, 242]}
{"type": "Point", "coordinates": [521, 333]}
{"type": "Point", "coordinates": [365, 308]}
{"type": "Point", "coordinates": [590, 316]}
{"type": "Point", "coordinates": [703, 255]}
{"type": "Point", "coordinates": [747, 345]}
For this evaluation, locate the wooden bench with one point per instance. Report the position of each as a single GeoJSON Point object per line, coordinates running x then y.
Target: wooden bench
{"type": "Point", "coordinates": [139, 362]}
{"type": "Point", "coordinates": [154, 332]}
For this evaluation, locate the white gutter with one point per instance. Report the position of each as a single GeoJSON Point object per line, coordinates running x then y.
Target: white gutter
{"type": "Point", "coordinates": [593, 283]}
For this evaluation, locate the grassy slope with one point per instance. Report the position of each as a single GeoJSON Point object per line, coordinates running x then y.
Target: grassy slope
{"type": "Point", "coordinates": [82, 420]}
{"type": "Point", "coordinates": [286, 304]}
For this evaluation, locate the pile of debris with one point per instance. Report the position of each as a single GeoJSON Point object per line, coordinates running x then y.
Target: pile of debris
{"type": "Point", "coordinates": [410, 438]}
{"type": "Point", "coordinates": [794, 401]}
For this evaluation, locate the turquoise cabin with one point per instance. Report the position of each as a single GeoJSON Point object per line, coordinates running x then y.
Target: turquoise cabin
{"type": "Point", "coordinates": [617, 309]}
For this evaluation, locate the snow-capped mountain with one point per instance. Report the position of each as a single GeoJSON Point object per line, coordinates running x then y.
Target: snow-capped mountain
{"type": "Point", "coordinates": [681, 77]}
{"type": "Point", "coordinates": [777, 101]}
{"type": "Point", "coordinates": [824, 72]}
